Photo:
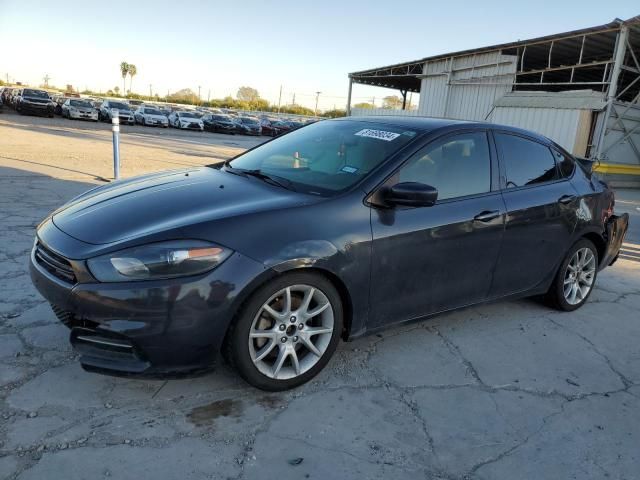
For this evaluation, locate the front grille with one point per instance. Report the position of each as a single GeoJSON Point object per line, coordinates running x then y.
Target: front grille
{"type": "Point", "coordinates": [54, 264]}
{"type": "Point", "coordinates": [70, 320]}
{"type": "Point", "coordinates": [64, 316]}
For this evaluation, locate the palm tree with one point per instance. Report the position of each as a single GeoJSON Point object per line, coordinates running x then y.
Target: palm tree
{"type": "Point", "coordinates": [132, 71]}
{"type": "Point", "coordinates": [124, 70]}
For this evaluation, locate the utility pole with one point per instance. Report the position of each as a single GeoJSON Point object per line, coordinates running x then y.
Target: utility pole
{"type": "Point", "coordinates": [198, 94]}
{"type": "Point", "coordinates": [279, 98]}
{"type": "Point", "coordinates": [293, 102]}
{"type": "Point", "coordinates": [316, 109]}
{"type": "Point", "coordinates": [150, 94]}
{"type": "Point", "coordinates": [208, 95]}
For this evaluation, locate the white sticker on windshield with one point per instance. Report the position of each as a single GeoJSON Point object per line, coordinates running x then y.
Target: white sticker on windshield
{"type": "Point", "coordinates": [379, 134]}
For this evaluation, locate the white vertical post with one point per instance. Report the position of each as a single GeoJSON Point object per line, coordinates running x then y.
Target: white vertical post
{"type": "Point", "coordinates": [115, 121]}
{"type": "Point", "coordinates": [349, 97]}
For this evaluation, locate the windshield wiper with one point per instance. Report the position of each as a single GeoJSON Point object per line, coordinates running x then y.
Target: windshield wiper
{"type": "Point", "coordinates": [257, 173]}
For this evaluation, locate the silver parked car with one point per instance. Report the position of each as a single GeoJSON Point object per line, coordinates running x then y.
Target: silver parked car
{"type": "Point", "coordinates": [150, 116]}
{"type": "Point", "coordinates": [77, 108]}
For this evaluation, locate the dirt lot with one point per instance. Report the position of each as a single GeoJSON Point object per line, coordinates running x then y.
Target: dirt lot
{"type": "Point", "coordinates": [511, 390]}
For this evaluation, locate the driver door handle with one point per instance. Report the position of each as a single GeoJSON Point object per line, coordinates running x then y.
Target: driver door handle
{"type": "Point", "coordinates": [487, 215]}
{"type": "Point", "coordinates": [566, 199]}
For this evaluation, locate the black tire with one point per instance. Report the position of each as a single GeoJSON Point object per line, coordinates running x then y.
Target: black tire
{"type": "Point", "coordinates": [555, 295]}
{"type": "Point", "coordinates": [236, 348]}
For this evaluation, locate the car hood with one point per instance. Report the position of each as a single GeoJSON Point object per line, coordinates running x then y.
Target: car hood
{"type": "Point", "coordinates": [155, 117]}
{"type": "Point", "coordinates": [190, 120]}
{"type": "Point", "coordinates": [154, 203]}
{"type": "Point", "coordinates": [36, 99]}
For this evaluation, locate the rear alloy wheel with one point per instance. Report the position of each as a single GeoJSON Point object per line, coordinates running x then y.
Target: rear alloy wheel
{"type": "Point", "coordinates": [575, 279]}
{"type": "Point", "coordinates": [287, 332]}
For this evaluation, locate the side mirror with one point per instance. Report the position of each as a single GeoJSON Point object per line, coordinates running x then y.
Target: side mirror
{"type": "Point", "coordinates": [411, 194]}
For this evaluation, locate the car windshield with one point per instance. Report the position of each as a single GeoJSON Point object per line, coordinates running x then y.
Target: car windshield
{"type": "Point", "coordinates": [119, 105]}
{"type": "Point", "coordinates": [152, 111]}
{"type": "Point", "coordinates": [189, 115]}
{"type": "Point", "coordinates": [220, 117]}
{"type": "Point", "coordinates": [326, 157]}
{"type": "Point", "coordinates": [250, 121]}
{"type": "Point", "coordinates": [35, 93]}
{"type": "Point", "coordinates": [80, 103]}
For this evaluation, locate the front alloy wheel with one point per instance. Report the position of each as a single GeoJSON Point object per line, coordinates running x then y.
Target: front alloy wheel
{"type": "Point", "coordinates": [287, 331]}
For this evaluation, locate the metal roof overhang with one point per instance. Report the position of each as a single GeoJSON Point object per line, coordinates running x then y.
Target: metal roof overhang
{"type": "Point", "coordinates": [407, 75]}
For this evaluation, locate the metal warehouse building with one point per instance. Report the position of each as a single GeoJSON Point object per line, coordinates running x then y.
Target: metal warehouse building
{"type": "Point", "coordinates": [580, 88]}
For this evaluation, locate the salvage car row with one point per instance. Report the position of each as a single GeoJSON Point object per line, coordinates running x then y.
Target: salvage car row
{"type": "Point", "coordinates": [39, 102]}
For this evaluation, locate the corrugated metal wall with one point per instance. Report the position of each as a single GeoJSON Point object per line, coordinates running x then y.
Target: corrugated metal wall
{"type": "Point", "coordinates": [560, 125]}
{"type": "Point", "coordinates": [466, 87]}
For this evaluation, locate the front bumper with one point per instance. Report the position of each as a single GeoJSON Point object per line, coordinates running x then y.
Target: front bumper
{"type": "Point", "coordinates": [156, 123]}
{"type": "Point", "coordinates": [191, 126]}
{"type": "Point", "coordinates": [84, 116]}
{"type": "Point", "coordinates": [36, 108]}
{"type": "Point", "coordinates": [150, 328]}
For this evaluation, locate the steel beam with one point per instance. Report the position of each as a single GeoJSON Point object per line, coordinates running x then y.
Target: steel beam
{"type": "Point", "coordinates": [348, 110]}
{"type": "Point", "coordinates": [619, 52]}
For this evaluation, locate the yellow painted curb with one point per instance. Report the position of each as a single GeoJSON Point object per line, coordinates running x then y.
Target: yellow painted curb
{"type": "Point", "coordinates": [617, 169]}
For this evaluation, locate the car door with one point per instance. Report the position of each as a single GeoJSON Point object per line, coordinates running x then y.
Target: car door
{"type": "Point", "coordinates": [430, 259]}
{"type": "Point", "coordinates": [541, 214]}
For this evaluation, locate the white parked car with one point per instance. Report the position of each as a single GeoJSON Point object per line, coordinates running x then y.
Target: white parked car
{"type": "Point", "coordinates": [78, 108]}
{"type": "Point", "coordinates": [150, 116]}
{"type": "Point", "coordinates": [186, 120]}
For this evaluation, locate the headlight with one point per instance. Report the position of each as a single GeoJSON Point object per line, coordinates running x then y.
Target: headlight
{"type": "Point", "coordinates": [158, 260]}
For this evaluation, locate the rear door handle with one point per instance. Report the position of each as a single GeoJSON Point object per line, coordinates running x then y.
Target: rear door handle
{"type": "Point", "coordinates": [487, 215]}
{"type": "Point", "coordinates": [566, 199]}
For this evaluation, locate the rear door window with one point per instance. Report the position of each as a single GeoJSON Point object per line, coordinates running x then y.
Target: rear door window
{"type": "Point", "coordinates": [526, 162]}
{"type": "Point", "coordinates": [565, 163]}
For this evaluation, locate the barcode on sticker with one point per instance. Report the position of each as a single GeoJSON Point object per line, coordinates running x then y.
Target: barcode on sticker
{"type": "Point", "coordinates": [379, 134]}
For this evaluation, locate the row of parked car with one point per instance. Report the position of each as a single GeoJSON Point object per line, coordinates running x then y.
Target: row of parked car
{"type": "Point", "coordinates": [34, 101]}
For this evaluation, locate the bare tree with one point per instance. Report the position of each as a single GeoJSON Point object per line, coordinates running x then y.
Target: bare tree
{"type": "Point", "coordinates": [247, 94]}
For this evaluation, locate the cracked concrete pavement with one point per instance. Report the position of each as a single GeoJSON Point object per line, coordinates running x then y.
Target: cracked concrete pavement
{"type": "Point", "coordinates": [500, 391]}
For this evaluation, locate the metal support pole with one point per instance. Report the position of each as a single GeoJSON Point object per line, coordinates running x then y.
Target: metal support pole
{"type": "Point", "coordinates": [115, 121]}
{"type": "Point", "coordinates": [621, 43]}
{"type": "Point", "coordinates": [348, 109]}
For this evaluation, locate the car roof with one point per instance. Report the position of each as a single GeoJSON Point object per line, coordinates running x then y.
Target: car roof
{"type": "Point", "coordinates": [428, 124]}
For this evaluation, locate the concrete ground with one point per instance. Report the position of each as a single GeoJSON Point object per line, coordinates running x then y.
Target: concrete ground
{"type": "Point", "coordinates": [510, 390]}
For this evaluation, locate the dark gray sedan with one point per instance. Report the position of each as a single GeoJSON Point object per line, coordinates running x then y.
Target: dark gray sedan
{"type": "Point", "coordinates": [333, 231]}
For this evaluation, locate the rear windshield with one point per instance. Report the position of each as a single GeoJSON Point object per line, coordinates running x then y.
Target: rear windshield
{"type": "Point", "coordinates": [119, 105]}
{"type": "Point", "coordinates": [152, 111]}
{"type": "Point", "coordinates": [327, 157]}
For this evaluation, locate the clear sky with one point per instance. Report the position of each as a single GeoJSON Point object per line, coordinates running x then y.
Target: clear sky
{"type": "Point", "coordinates": [305, 46]}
